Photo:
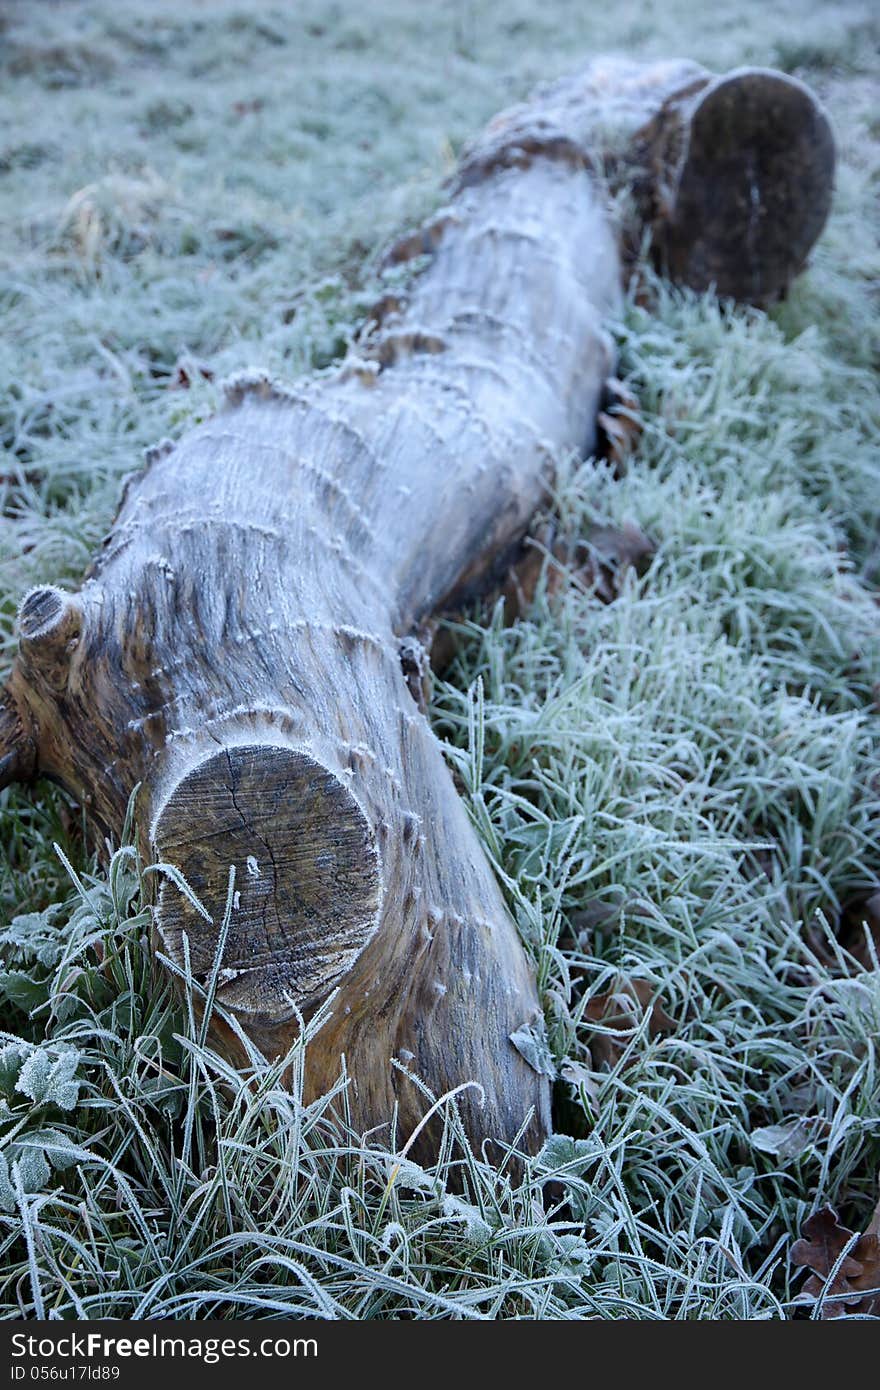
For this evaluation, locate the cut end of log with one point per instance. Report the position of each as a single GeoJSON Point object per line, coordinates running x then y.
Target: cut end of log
{"type": "Point", "coordinates": [40, 611]}
{"type": "Point", "coordinates": [753, 187]}
{"type": "Point", "coordinates": [49, 614]}
{"type": "Point", "coordinates": [50, 624]}
{"type": "Point", "coordinates": [307, 885]}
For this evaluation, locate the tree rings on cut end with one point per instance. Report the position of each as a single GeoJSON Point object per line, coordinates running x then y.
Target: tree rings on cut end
{"type": "Point", "coordinates": [753, 188]}
{"type": "Point", "coordinates": [49, 614]}
{"type": "Point", "coordinates": [50, 622]}
{"type": "Point", "coordinates": [40, 611]}
{"type": "Point", "coordinates": [307, 877]}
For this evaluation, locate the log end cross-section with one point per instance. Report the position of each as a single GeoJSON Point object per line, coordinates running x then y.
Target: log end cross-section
{"type": "Point", "coordinates": [307, 886]}
{"type": "Point", "coordinates": [752, 189]}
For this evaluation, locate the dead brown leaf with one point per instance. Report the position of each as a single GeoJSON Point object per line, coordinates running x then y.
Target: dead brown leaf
{"type": "Point", "coordinates": [855, 1288]}
{"type": "Point", "coordinates": [605, 555]}
{"type": "Point", "coordinates": [186, 372]}
{"type": "Point", "coordinates": [619, 424]}
{"type": "Point", "coordinates": [415, 662]}
{"type": "Point", "coordinates": [621, 1009]}
{"type": "Point", "coordinates": [524, 572]}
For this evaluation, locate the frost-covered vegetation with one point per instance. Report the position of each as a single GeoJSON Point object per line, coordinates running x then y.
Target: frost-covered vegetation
{"type": "Point", "coordinates": [680, 789]}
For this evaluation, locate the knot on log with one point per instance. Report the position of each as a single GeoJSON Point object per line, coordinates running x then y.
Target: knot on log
{"type": "Point", "coordinates": [307, 877]}
{"type": "Point", "coordinates": [154, 452]}
{"type": "Point", "coordinates": [423, 241]}
{"type": "Point", "coordinates": [257, 382]}
{"type": "Point", "coordinates": [391, 347]}
{"type": "Point", "coordinates": [49, 629]}
{"type": "Point", "coordinates": [513, 141]}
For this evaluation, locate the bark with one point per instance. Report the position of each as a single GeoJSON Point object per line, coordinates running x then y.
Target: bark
{"type": "Point", "coordinates": [242, 646]}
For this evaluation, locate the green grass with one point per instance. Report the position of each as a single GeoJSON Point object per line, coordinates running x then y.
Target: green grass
{"type": "Point", "coordinates": [681, 788]}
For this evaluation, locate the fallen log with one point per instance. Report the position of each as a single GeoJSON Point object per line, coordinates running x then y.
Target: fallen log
{"type": "Point", "coordinates": [241, 647]}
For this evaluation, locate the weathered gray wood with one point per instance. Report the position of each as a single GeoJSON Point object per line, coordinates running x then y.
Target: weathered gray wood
{"type": "Point", "coordinates": [236, 647]}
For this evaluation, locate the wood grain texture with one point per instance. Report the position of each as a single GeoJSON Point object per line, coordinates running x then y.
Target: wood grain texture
{"type": "Point", "coordinates": [243, 646]}
{"type": "Point", "coordinates": [307, 895]}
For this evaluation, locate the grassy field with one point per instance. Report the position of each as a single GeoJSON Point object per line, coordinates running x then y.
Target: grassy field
{"type": "Point", "coordinates": [681, 789]}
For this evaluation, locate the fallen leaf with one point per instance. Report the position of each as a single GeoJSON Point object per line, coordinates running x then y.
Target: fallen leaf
{"type": "Point", "coordinates": [525, 569]}
{"type": "Point", "coordinates": [855, 1287]}
{"type": "Point", "coordinates": [598, 915]}
{"type": "Point", "coordinates": [415, 662]}
{"type": "Point", "coordinates": [530, 1041]}
{"type": "Point", "coordinates": [622, 1009]}
{"type": "Point", "coordinates": [606, 553]}
{"type": "Point", "coordinates": [186, 372]}
{"type": "Point", "coordinates": [619, 423]}
{"type": "Point", "coordinates": [789, 1139]}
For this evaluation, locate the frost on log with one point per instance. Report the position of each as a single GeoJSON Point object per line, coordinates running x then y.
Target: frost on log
{"type": "Point", "coordinates": [236, 646]}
